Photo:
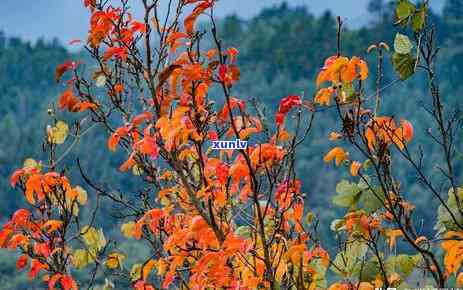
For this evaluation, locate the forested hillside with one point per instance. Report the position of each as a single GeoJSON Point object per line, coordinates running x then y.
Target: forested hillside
{"type": "Point", "coordinates": [280, 53]}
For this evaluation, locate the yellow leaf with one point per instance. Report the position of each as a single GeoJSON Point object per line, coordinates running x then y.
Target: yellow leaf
{"type": "Point", "coordinates": [137, 170]}
{"type": "Point", "coordinates": [31, 163]}
{"type": "Point", "coordinates": [334, 136]}
{"type": "Point", "coordinates": [93, 238]}
{"type": "Point", "coordinates": [81, 195]}
{"type": "Point", "coordinates": [135, 273]}
{"type": "Point", "coordinates": [114, 260]}
{"type": "Point", "coordinates": [336, 153]}
{"type": "Point", "coordinates": [58, 133]}
{"type": "Point", "coordinates": [127, 229]}
{"type": "Point", "coordinates": [81, 258]}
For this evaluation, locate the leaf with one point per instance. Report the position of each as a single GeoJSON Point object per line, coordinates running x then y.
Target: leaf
{"type": "Point", "coordinates": [459, 280]}
{"type": "Point", "coordinates": [21, 262]}
{"type": "Point", "coordinates": [114, 260]}
{"type": "Point", "coordinates": [419, 19]}
{"type": "Point", "coordinates": [348, 194]}
{"type": "Point", "coordinates": [31, 163]}
{"type": "Point", "coordinates": [81, 195]}
{"type": "Point", "coordinates": [338, 154]}
{"type": "Point", "coordinates": [402, 264]}
{"type": "Point", "coordinates": [100, 80]}
{"type": "Point", "coordinates": [93, 238]}
{"type": "Point", "coordinates": [81, 258]}
{"type": "Point", "coordinates": [128, 229]}
{"type": "Point", "coordinates": [191, 19]}
{"type": "Point", "coordinates": [402, 44]}
{"type": "Point", "coordinates": [52, 225]}
{"type": "Point", "coordinates": [369, 200]}
{"type": "Point", "coordinates": [404, 9]}
{"type": "Point", "coordinates": [355, 167]}
{"type": "Point", "coordinates": [404, 65]}
{"type": "Point", "coordinates": [166, 73]}
{"type": "Point", "coordinates": [135, 272]}
{"type": "Point", "coordinates": [68, 283]}
{"type": "Point", "coordinates": [323, 96]}
{"type": "Point", "coordinates": [347, 260]}
{"type": "Point", "coordinates": [147, 268]}
{"type": "Point", "coordinates": [59, 133]}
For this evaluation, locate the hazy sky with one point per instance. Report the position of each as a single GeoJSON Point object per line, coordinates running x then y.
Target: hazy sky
{"type": "Point", "coordinates": [67, 19]}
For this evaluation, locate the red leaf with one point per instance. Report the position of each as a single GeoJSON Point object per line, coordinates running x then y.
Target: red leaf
{"type": "Point", "coordinates": [68, 283]}
{"type": "Point", "coordinates": [286, 105]}
{"type": "Point", "coordinates": [16, 176]}
{"type": "Point", "coordinates": [138, 27]}
{"type": "Point", "coordinates": [62, 68]}
{"type": "Point", "coordinates": [21, 216]}
{"type": "Point", "coordinates": [21, 262]}
{"type": "Point", "coordinates": [119, 52]}
{"type": "Point", "coordinates": [36, 267]}
{"type": "Point", "coordinates": [75, 42]}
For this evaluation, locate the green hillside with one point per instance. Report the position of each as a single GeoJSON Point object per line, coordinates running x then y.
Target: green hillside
{"type": "Point", "coordinates": [280, 53]}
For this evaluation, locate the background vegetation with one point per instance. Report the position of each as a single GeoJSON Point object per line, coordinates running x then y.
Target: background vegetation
{"type": "Point", "coordinates": [280, 53]}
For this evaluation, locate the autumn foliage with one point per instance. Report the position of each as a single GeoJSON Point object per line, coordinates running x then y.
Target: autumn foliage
{"type": "Point", "coordinates": [229, 219]}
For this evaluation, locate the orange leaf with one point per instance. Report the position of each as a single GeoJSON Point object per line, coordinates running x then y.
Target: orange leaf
{"type": "Point", "coordinates": [129, 163]}
{"type": "Point", "coordinates": [147, 268]}
{"type": "Point", "coordinates": [52, 225]}
{"type": "Point", "coordinates": [83, 106]}
{"type": "Point", "coordinates": [354, 168]}
{"type": "Point", "coordinates": [191, 19]}
{"type": "Point", "coordinates": [392, 236]}
{"type": "Point", "coordinates": [460, 279]}
{"type": "Point", "coordinates": [323, 96]}
{"type": "Point", "coordinates": [336, 153]}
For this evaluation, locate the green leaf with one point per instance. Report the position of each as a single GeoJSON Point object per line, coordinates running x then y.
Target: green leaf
{"type": "Point", "coordinates": [404, 65]}
{"type": "Point", "coordinates": [402, 44]}
{"type": "Point", "coordinates": [370, 200]}
{"type": "Point", "coordinates": [347, 260]}
{"type": "Point", "coordinates": [370, 270]}
{"type": "Point", "coordinates": [404, 9]}
{"type": "Point", "coordinates": [243, 231]}
{"type": "Point", "coordinates": [320, 269]}
{"type": "Point", "coordinates": [402, 264]}
{"type": "Point", "coordinates": [444, 219]}
{"type": "Point", "coordinates": [419, 19]}
{"type": "Point", "coordinates": [348, 194]}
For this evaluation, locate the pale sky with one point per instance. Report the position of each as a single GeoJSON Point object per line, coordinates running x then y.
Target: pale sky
{"type": "Point", "coordinates": [67, 19]}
